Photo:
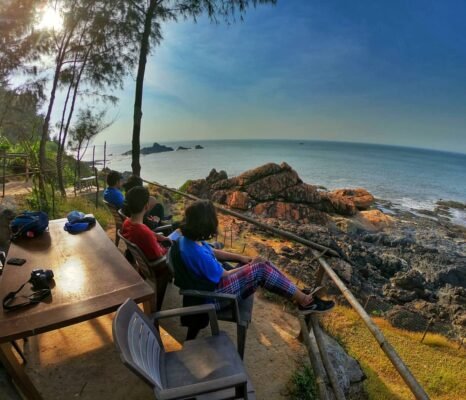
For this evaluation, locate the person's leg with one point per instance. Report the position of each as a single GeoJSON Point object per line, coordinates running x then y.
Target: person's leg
{"type": "Point", "coordinates": [246, 281]}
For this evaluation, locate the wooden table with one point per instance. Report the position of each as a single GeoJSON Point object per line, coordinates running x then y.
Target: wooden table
{"type": "Point", "coordinates": [92, 278]}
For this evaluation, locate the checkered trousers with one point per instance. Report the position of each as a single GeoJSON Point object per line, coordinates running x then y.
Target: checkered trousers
{"type": "Point", "coordinates": [246, 281]}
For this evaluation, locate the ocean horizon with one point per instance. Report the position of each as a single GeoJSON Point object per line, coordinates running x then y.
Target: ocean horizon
{"type": "Point", "coordinates": [411, 178]}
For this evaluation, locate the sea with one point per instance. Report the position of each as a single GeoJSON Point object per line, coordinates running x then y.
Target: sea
{"type": "Point", "coordinates": [410, 178]}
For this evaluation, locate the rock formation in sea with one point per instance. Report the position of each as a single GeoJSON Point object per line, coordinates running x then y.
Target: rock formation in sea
{"type": "Point", "coordinates": [276, 191]}
{"type": "Point", "coordinates": [155, 148]}
{"type": "Point", "coordinates": [410, 267]}
{"type": "Point", "coordinates": [198, 147]}
{"type": "Point", "coordinates": [183, 148]}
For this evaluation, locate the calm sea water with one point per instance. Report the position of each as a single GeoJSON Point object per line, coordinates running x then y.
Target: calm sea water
{"type": "Point", "coordinates": [410, 178]}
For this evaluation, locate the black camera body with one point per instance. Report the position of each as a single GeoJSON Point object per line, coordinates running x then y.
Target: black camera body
{"type": "Point", "coordinates": [41, 278]}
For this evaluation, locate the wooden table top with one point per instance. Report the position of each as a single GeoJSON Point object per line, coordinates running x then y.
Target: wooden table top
{"type": "Point", "coordinates": [92, 278]}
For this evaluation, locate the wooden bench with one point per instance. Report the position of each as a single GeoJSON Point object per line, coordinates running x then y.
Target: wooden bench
{"type": "Point", "coordinates": [86, 183]}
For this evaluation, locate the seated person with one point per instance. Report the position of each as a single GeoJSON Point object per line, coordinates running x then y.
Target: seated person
{"type": "Point", "coordinates": [113, 193]}
{"type": "Point", "coordinates": [205, 263]}
{"type": "Point", "coordinates": [133, 229]}
{"type": "Point", "coordinates": [156, 215]}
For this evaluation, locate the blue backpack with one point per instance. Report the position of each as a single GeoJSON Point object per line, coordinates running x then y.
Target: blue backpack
{"type": "Point", "coordinates": [29, 224]}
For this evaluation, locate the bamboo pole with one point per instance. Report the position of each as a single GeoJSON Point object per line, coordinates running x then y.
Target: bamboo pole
{"type": "Point", "coordinates": [105, 162]}
{"type": "Point", "coordinates": [316, 361]}
{"type": "Point", "coordinates": [390, 352]}
{"type": "Point", "coordinates": [332, 375]}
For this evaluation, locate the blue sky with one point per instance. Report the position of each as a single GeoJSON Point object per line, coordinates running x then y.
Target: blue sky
{"type": "Point", "coordinates": [364, 71]}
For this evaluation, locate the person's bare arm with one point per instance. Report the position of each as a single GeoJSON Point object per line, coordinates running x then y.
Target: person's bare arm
{"type": "Point", "coordinates": [222, 255]}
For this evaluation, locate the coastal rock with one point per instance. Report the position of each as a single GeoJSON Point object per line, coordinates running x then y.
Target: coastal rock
{"type": "Point", "coordinates": [361, 198]}
{"type": "Point", "coordinates": [239, 200]}
{"type": "Point", "coordinates": [377, 219]}
{"type": "Point", "coordinates": [450, 295]}
{"type": "Point", "coordinates": [183, 148]}
{"type": "Point", "coordinates": [252, 175]}
{"type": "Point", "coordinates": [270, 187]}
{"type": "Point", "coordinates": [215, 176]}
{"type": "Point", "coordinates": [331, 203]}
{"type": "Point", "coordinates": [348, 370]}
{"type": "Point", "coordinates": [198, 147]}
{"type": "Point", "coordinates": [455, 276]}
{"type": "Point", "coordinates": [295, 212]}
{"type": "Point", "coordinates": [274, 191]}
{"type": "Point", "coordinates": [409, 280]}
{"type": "Point", "coordinates": [155, 148]}
{"type": "Point", "coordinates": [302, 193]}
{"type": "Point", "coordinates": [400, 317]}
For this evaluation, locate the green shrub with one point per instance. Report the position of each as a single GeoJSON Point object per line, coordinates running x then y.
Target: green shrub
{"type": "Point", "coordinates": [302, 384]}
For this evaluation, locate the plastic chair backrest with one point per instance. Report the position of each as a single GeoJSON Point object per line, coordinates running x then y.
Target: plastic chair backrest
{"type": "Point", "coordinates": [139, 344]}
{"type": "Point", "coordinates": [114, 211]}
{"type": "Point", "coordinates": [141, 260]}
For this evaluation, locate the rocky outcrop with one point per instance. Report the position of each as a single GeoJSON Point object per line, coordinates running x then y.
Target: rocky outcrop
{"type": "Point", "coordinates": [277, 191]}
{"type": "Point", "coordinates": [155, 148]}
{"type": "Point", "coordinates": [183, 148]}
{"type": "Point", "coordinates": [361, 198]}
{"type": "Point", "coordinates": [198, 147]}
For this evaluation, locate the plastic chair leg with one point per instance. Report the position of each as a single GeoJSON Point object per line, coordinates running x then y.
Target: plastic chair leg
{"type": "Point", "coordinates": [241, 339]}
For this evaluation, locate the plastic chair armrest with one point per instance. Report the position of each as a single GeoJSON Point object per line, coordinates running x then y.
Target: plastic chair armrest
{"type": "Point", "coordinates": [231, 298]}
{"type": "Point", "coordinates": [193, 310]}
{"type": "Point", "coordinates": [157, 262]}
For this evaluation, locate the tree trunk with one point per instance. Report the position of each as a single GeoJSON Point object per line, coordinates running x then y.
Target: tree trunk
{"type": "Point", "coordinates": [45, 127]}
{"type": "Point", "coordinates": [62, 142]}
{"type": "Point", "coordinates": [144, 51]}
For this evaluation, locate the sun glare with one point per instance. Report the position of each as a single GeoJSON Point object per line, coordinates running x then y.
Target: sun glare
{"type": "Point", "coordinates": [50, 19]}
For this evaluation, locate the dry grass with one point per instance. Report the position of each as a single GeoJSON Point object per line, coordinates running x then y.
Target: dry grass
{"type": "Point", "coordinates": [438, 364]}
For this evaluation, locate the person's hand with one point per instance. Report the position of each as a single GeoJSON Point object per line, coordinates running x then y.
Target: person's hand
{"type": "Point", "coordinates": [153, 218]}
{"type": "Point", "coordinates": [258, 260]}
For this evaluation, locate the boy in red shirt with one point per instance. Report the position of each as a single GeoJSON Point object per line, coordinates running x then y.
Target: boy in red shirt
{"type": "Point", "coordinates": [148, 241]}
{"type": "Point", "coordinates": [133, 229]}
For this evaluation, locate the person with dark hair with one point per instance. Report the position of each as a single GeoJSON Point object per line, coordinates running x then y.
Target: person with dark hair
{"type": "Point", "coordinates": [156, 214]}
{"type": "Point", "coordinates": [113, 193]}
{"type": "Point", "coordinates": [139, 202]}
{"type": "Point", "coordinates": [205, 264]}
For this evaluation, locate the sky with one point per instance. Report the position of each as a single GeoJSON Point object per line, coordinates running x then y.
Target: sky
{"type": "Point", "coordinates": [360, 71]}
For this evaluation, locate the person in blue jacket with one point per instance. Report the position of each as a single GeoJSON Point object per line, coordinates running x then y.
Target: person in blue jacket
{"type": "Point", "coordinates": [113, 192]}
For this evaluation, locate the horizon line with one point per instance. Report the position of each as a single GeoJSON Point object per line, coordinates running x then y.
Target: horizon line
{"type": "Point", "coordinates": [461, 153]}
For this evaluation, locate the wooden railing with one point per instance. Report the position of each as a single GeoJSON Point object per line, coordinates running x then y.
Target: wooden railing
{"type": "Point", "coordinates": [310, 329]}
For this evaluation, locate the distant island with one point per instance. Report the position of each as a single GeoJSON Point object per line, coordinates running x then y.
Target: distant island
{"type": "Point", "coordinates": [155, 148]}
{"type": "Point", "coordinates": [160, 148]}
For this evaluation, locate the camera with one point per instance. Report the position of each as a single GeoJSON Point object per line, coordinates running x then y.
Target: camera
{"type": "Point", "coordinates": [41, 278]}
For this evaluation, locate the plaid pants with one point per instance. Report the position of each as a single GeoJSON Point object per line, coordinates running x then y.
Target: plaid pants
{"type": "Point", "coordinates": [246, 281]}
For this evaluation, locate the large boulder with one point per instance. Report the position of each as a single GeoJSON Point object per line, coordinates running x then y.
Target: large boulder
{"type": "Point", "coordinates": [291, 212]}
{"type": "Point", "coordinates": [377, 218]}
{"type": "Point", "coordinates": [239, 200]}
{"type": "Point", "coordinates": [272, 186]}
{"type": "Point", "coordinates": [348, 370]}
{"type": "Point", "coordinates": [403, 318]}
{"type": "Point", "coordinates": [252, 175]}
{"type": "Point", "coordinates": [302, 193]}
{"type": "Point", "coordinates": [361, 198]}
{"type": "Point", "coordinates": [337, 204]}
{"type": "Point", "coordinates": [409, 280]}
